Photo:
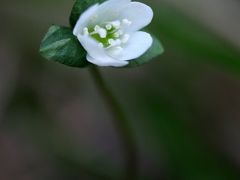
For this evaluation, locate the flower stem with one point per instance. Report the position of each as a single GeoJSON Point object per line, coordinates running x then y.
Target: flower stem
{"type": "Point", "coordinates": [121, 124]}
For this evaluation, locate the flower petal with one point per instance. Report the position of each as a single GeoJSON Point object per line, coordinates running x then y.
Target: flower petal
{"type": "Point", "coordinates": [98, 55]}
{"type": "Point", "coordinates": [83, 20]}
{"type": "Point", "coordinates": [139, 14]}
{"type": "Point", "coordinates": [113, 4]}
{"type": "Point", "coordinates": [110, 10]}
{"type": "Point", "coordinates": [97, 14]}
{"type": "Point", "coordinates": [139, 43]}
{"type": "Point", "coordinates": [115, 63]}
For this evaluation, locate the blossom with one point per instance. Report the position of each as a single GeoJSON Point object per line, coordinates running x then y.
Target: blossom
{"type": "Point", "coordinates": [110, 32]}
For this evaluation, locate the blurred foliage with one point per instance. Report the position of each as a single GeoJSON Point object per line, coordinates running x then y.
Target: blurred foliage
{"type": "Point", "coordinates": [193, 39]}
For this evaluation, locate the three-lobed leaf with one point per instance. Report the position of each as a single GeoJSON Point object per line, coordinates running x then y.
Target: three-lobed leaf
{"type": "Point", "coordinates": [60, 45]}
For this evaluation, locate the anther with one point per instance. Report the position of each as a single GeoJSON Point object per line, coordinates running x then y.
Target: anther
{"type": "Point", "coordinates": [108, 26]}
{"type": "Point", "coordinates": [96, 28]}
{"type": "Point", "coordinates": [102, 32]}
{"type": "Point", "coordinates": [85, 31]}
{"type": "Point", "coordinates": [116, 35]}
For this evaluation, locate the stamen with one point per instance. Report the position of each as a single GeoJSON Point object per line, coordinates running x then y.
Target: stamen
{"type": "Point", "coordinates": [116, 35]}
{"type": "Point", "coordinates": [110, 29]}
{"type": "Point", "coordinates": [96, 28]}
{"type": "Point", "coordinates": [126, 22]}
{"type": "Point", "coordinates": [102, 33]}
{"type": "Point", "coordinates": [94, 32]}
{"type": "Point", "coordinates": [85, 31]}
{"type": "Point", "coordinates": [108, 26]}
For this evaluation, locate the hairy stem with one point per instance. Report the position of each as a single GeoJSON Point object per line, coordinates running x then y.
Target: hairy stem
{"type": "Point", "coordinates": [121, 124]}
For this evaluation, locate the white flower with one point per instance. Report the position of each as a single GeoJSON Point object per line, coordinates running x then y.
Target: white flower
{"type": "Point", "coordinates": [110, 34]}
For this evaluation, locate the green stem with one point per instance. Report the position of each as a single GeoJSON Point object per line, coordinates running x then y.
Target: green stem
{"type": "Point", "coordinates": [121, 124]}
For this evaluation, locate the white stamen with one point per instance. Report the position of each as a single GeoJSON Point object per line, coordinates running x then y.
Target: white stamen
{"type": "Point", "coordinates": [96, 28]}
{"type": "Point", "coordinates": [102, 33]}
{"type": "Point", "coordinates": [125, 38]}
{"type": "Point", "coordinates": [108, 26]}
{"type": "Point", "coordinates": [85, 31]}
{"type": "Point", "coordinates": [116, 24]}
{"type": "Point", "coordinates": [116, 35]}
{"type": "Point", "coordinates": [126, 22]}
{"type": "Point", "coordinates": [94, 32]}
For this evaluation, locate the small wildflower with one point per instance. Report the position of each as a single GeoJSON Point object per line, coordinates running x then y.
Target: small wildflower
{"type": "Point", "coordinates": [110, 32]}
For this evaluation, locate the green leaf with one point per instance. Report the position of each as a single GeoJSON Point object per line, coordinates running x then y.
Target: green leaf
{"type": "Point", "coordinates": [60, 45]}
{"type": "Point", "coordinates": [155, 50]}
{"type": "Point", "coordinates": [79, 7]}
{"type": "Point", "coordinates": [184, 35]}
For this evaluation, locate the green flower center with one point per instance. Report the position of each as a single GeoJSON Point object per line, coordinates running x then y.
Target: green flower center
{"type": "Point", "coordinates": [109, 34]}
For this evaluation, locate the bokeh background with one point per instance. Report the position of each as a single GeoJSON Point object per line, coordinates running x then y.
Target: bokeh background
{"type": "Point", "coordinates": [184, 107]}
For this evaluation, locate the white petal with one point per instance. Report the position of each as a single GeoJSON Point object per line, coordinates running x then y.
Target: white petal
{"type": "Point", "coordinates": [110, 10]}
{"type": "Point", "coordinates": [84, 19]}
{"type": "Point", "coordinates": [113, 4]}
{"type": "Point", "coordinates": [115, 63]}
{"type": "Point", "coordinates": [139, 14]}
{"type": "Point", "coordinates": [96, 14]}
{"type": "Point", "coordinates": [98, 55]}
{"type": "Point", "coordinates": [137, 45]}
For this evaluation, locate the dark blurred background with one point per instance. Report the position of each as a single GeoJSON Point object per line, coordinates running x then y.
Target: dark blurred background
{"type": "Point", "coordinates": [184, 107]}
